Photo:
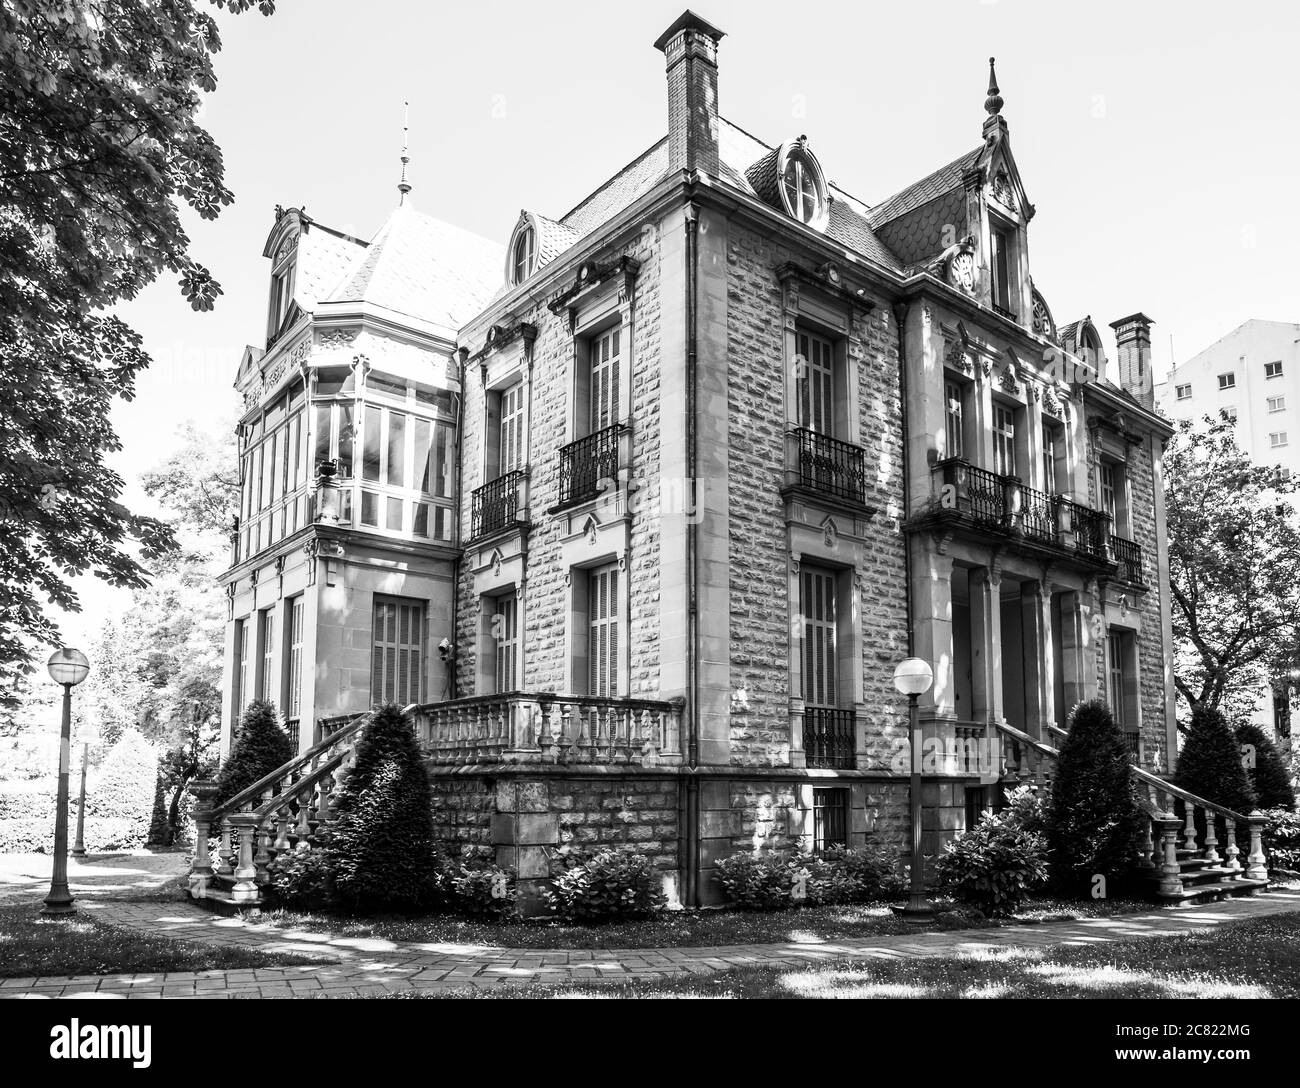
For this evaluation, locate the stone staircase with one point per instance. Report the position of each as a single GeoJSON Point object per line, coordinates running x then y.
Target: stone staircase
{"type": "Point", "coordinates": [289, 809]}
{"type": "Point", "coordinates": [1176, 872]}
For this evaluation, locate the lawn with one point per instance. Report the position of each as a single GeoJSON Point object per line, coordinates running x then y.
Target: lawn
{"type": "Point", "coordinates": [680, 929]}
{"type": "Point", "coordinates": [1253, 958]}
{"type": "Point", "coordinates": [81, 945]}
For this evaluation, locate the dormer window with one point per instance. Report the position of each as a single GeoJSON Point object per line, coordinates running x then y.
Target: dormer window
{"type": "Point", "coordinates": [803, 185]}
{"type": "Point", "coordinates": [282, 284]}
{"type": "Point", "coordinates": [522, 254]}
{"type": "Point", "coordinates": [1000, 270]}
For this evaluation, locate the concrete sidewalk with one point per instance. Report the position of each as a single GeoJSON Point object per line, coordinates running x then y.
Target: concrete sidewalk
{"type": "Point", "coordinates": [372, 966]}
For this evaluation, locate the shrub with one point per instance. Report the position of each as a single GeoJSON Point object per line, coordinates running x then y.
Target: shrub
{"type": "Point", "coordinates": [1282, 839]}
{"type": "Point", "coordinates": [1269, 777]}
{"type": "Point", "coordinates": [158, 827]}
{"type": "Point", "coordinates": [382, 849]}
{"type": "Point", "coordinates": [261, 747]}
{"type": "Point", "coordinates": [756, 882]}
{"type": "Point", "coordinates": [480, 890]}
{"type": "Point", "coordinates": [119, 801]}
{"type": "Point", "coordinates": [994, 866]}
{"type": "Point", "coordinates": [842, 875]}
{"type": "Point", "coordinates": [1092, 821]}
{"type": "Point", "coordinates": [1210, 763]}
{"type": "Point", "coordinates": [299, 879]}
{"type": "Point", "coordinates": [610, 884]}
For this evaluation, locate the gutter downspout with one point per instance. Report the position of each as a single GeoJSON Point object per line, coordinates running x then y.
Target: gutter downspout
{"type": "Point", "coordinates": [454, 663]}
{"type": "Point", "coordinates": [901, 310]}
{"type": "Point", "coordinates": [692, 634]}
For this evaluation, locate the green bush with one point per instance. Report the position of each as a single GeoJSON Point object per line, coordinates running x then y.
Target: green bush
{"type": "Point", "coordinates": [1092, 821]}
{"type": "Point", "coordinates": [27, 824]}
{"type": "Point", "coordinates": [381, 849]}
{"type": "Point", "coordinates": [478, 890]}
{"type": "Point", "coordinates": [995, 865]}
{"type": "Point", "coordinates": [842, 875]}
{"type": "Point", "coordinates": [261, 747]}
{"type": "Point", "coordinates": [124, 788]}
{"type": "Point", "coordinates": [1282, 839]}
{"type": "Point", "coordinates": [756, 881]}
{"type": "Point", "coordinates": [1269, 778]}
{"type": "Point", "coordinates": [158, 829]}
{"type": "Point", "coordinates": [299, 880]}
{"type": "Point", "coordinates": [1210, 763]}
{"type": "Point", "coordinates": [609, 884]}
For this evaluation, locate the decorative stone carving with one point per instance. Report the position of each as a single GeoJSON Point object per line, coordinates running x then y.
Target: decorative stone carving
{"type": "Point", "coordinates": [1051, 405]}
{"type": "Point", "coordinates": [959, 358]}
{"type": "Point", "coordinates": [1001, 190]}
{"type": "Point", "coordinates": [338, 338]}
{"type": "Point", "coordinates": [1007, 380]}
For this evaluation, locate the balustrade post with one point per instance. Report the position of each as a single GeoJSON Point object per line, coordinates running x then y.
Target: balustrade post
{"type": "Point", "coordinates": [1147, 849]}
{"type": "Point", "coordinates": [1232, 850]}
{"type": "Point", "coordinates": [263, 858]}
{"type": "Point", "coordinates": [1171, 883]}
{"type": "Point", "coordinates": [1256, 863]}
{"type": "Point", "coordinates": [245, 889]}
{"type": "Point", "coordinates": [226, 851]}
{"type": "Point", "coordinates": [1211, 841]}
{"type": "Point", "coordinates": [201, 867]}
{"type": "Point", "coordinates": [1189, 830]}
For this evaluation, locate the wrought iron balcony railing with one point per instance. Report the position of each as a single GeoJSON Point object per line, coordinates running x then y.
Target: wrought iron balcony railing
{"type": "Point", "coordinates": [496, 506]}
{"type": "Point", "coordinates": [1038, 514]}
{"type": "Point", "coordinates": [1128, 554]}
{"type": "Point", "coordinates": [830, 738]}
{"type": "Point", "coordinates": [1091, 528]}
{"type": "Point", "coordinates": [589, 465]}
{"type": "Point", "coordinates": [830, 466]}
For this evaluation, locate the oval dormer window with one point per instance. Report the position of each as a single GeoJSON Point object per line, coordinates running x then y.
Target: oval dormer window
{"type": "Point", "coordinates": [523, 253]}
{"type": "Point", "coordinates": [803, 186]}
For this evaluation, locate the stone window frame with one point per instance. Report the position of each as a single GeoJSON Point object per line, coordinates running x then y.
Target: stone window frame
{"type": "Point", "coordinates": [807, 309]}
{"type": "Point", "coordinates": [1130, 717]}
{"type": "Point", "coordinates": [486, 659]}
{"type": "Point", "coordinates": [497, 380]}
{"type": "Point", "coordinates": [610, 302]}
{"type": "Point", "coordinates": [577, 661]}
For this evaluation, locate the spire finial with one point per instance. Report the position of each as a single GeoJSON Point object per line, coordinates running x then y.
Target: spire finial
{"type": "Point", "coordinates": [404, 186]}
{"type": "Point", "coordinates": [993, 104]}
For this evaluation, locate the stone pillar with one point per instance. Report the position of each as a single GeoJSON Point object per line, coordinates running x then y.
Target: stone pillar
{"type": "Point", "coordinates": [1036, 613]}
{"type": "Point", "coordinates": [523, 829]}
{"type": "Point", "coordinates": [932, 609]}
{"type": "Point", "coordinates": [986, 644]}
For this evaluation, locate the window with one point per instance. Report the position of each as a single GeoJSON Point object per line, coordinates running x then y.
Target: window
{"type": "Point", "coordinates": [1230, 414]}
{"type": "Point", "coordinates": [1000, 268]}
{"type": "Point", "coordinates": [521, 255]}
{"type": "Point", "coordinates": [241, 675]}
{"type": "Point", "coordinates": [512, 429]}
{"type": "Point", "coordinates": [819, 638]}
{"type": "Point", "coordinates": [1115, 656]}
{"type": "Point", "coordinates": [830, 818]}
{"type": "Point", "coordinates": [803, 189]}
{"type": "Point", "coordinates": [397, 661]}
{"type": "Point", "coordinates": [1183, 392]}
{"type": "Point", "coordinates": [602, 631]}
{"type": "Point", "coordinates": [1277, 404]}
{"type": "Point", "coordinates": [267, 636]}
{"type": "Point", "coordinates": [604, 379]}
{"type": "Point", "coordinates": [815, 383]}
{"type": "Point", "coordinates": [282, 282]}
{"type": "Point", "coordinates": [1277, 440]}
{"type": "Point", "coordinates": [274, 471]}
{"type": "Point", "coordinates": [1273, 369]}
{"type": "Point", "coordinates": [1228, 380]}
{"type": "Point", "coordinates": [977, 804]}
{"type": "Point", "coordinates": [406, 460]}
{"type": "Point", "coordinates": [293, 669]}
{"type": "Point", "coordinates": [1109, 504]}
{"type": "Point", "coordinates": [953, 417]}
{"type": "Point", "coordinates": [1004, 440]}
{"type": "Point", "coordinates": [505, 637]}
{"type": "Point", "coordinates": [1052, 447]}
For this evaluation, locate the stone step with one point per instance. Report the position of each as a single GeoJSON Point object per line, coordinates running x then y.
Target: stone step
{"type": "Point", "coordinates": [1208, 893]}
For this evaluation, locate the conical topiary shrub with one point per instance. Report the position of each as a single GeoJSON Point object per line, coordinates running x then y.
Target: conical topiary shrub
{"type": "Point", "coordinates": [158, 829]}
{"type": "Point", "coordinates": [1269, 777]}
{"type": "Point", "coordinates": [1210, 763]}
{"type": "Point", "coordinates": [381, 850]}
{"type": "Point", "coordinates": [261, 747]}
{"type": "Point", "coordinates": [1093, 821]}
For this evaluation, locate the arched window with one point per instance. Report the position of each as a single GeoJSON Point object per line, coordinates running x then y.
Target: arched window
{"type": "Point", "coordinates": [522, 254]}
{"type": "Point", "coordinates": [802, 184]}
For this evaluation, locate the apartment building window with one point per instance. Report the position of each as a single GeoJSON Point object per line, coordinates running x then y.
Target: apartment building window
{"type": "Point", "coordinates": [1000, 268]}
{"type": "Point", "coordinates": [1183, 392]}
{"type": "Point", "coordinates": [505, 636]}
{"type": "Point", "coordinates": [1115, 672]}
{"type": "Point", "coordinates": [282, 283]}
{"type": "Point", "coordinates": [274, 473]}
{"type": "Point", "coordinates": [605, 358]}
{"type": "Point", "coordinates": [830, 818]}
{"type": "Point", "coordinates": [1277, 404]}
{"type": "Point", "coordinates": [594, 457]}
{"type": "Point", "coordinates": [406, 468]}
{"type": "Point", "coordinates": [293, 667]}
{"type": "Point", "coordinates": [267, 636]}
{"type": "Point", "coordinates": [1004, 440]}
{"type": "Point", "coordinates": [819, 638]}
{"type": "Point", "coordinates": [511, 443]}
{"type": "Point", "coordinates": [1273, 369]}
{"type": "Point", "coordinates": [241, 692]}
{"type": "Point", "coordinates": [602, 631]}
{"type": "Point", "coordinates": [1277, 440]}
{"type": "Point", "coordinates": [1230, 414]}
{"type": "Point", "coordinates": [816, 383]}
{"type": "Point", "coordinates": [954, 412]}
{"type": "Point", "coordinates": [1228, 380]}
{"type": "Point", "coordinates": [397, 652]}
{"type": "Point", "coordinates": [1121, 682]}
{"type": "Point", "coordinates": [1053, 450]}
{"type": "Point", "coordinates": [522, 255]}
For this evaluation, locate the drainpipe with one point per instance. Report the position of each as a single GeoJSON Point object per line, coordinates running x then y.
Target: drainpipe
{"type": "Point", "coordinates": [900, 319]}
{"type": "Point", "coordinates": [692, 620]}
{"type": "Point", "coordinates": [454, 664]}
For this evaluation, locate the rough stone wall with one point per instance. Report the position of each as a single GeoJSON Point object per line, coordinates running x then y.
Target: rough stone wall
{"type": "Point", "coordinates": [760, 624]}
{"type": "Point", "coordinates": [1151, 650]}
{"type": "Point", "coordinates": [462, 813]}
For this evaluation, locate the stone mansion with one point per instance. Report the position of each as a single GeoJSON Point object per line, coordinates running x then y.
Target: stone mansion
{"type": "Point", "coordinates": [640, 510]}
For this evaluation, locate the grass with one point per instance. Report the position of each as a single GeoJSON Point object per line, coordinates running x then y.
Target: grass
{"type": "Point", "coordinates": [1253, 958]}
{"type": "Point", "coordinates": [679, 929]}
{"type": "Point", "coordinates": [81, 945]}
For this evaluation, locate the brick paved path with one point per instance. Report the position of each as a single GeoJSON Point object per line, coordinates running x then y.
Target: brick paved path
{"type": "Point", "coordinates": [369, 966]}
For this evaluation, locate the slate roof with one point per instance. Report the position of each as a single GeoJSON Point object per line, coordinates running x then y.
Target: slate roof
{"type": "Point", "coordinates": [424, 268]}
{"type": "Point", "coordinates": [635, 179]}
{"type": "Point", "coordinates": [927, 189]}
{"type": "Point", "coordinates": [324, 255]}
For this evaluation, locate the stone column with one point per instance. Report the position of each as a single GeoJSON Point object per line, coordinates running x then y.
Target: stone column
{"type": "Point", "coordinates": [1036, 613]}
{"type": "Point", "coordinates": [932, 609]}
{"type": "Point", "coordinates": [986, 644]}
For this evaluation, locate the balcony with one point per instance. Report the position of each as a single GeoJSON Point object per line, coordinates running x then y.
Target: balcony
{"type": "Point", "coordinates": [830, 738]}
{"type": "Point", "coordinates": [589, 466]}
{"type": "Point", "coordinates": [520, 727]}
{"type": "Point", "coordinates": [498, 506]}
{"type": "Point", "coordinates": [827, 466]}
{"type": "Point", "coordinates": [1128, 557]}
{"type": "Point", "coordinates": [1090, 528]}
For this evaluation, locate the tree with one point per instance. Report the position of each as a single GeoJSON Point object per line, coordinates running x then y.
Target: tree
{"type": "Point", "coordinates": [122, 794]}
{"type": "Point", "coordinates": [1093, 819]}
{"type": "Point", "coordinates": [1265, 770]}
{"type": "Point", "coordinates": [99, 142]}
{"type": "Point", "coordinates": [1234, 562]}
{"type": "Point", "coordinates": [198, 484]}
{"type": "Point", "coordinates": [261, 747]}
{"type": "Point", "coordinates": [381, 851]}
{"type": "Point", "coordinates": [1209, 764]}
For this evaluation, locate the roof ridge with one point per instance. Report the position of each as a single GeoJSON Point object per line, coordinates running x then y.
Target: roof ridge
{"type": "Point", "coordinates": [604, 184]}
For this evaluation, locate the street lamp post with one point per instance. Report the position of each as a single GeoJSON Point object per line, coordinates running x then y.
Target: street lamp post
{"type": "Point", "coordinates": [913, 678]}
{"type": "Point", "coordinates": [79, 847]}
{"type": "Point", "coordinates": [69, 668]}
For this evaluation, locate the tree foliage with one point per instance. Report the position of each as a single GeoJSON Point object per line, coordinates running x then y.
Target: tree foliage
{"type": "Point", "coordinates": [261, 747]}
{"type": "Point", "coordinates": [1268, 776]}
{"type": "Point", "coordinates": [99, 145]}
{"type": "Point", "coordinates": [1209, 764]}
{"type": "Point", "coordinates": [1234, 563]}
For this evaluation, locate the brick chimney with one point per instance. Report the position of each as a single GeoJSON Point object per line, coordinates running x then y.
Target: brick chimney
{"type": "Point", "coordinates": [691, 48]}
{"type": "Point", "coordinates": [1133, 340]}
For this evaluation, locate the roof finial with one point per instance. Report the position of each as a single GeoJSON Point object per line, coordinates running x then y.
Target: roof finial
{"type": "Point", "coordinates": [404, 186]}
{"type": "Point", "coordinates": [993, 104]}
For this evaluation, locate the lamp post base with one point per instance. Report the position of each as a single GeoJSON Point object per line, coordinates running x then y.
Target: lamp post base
{"type": "Point", "coordinates": [917, 910]}
{"type": "Point", "coordinates": [58, 904]}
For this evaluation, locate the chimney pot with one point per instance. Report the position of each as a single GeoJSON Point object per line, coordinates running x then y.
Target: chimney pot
{"type": "Point", "coordinates": [690, 48]}
{"type": "Point", "coordinates": [1133, 341]}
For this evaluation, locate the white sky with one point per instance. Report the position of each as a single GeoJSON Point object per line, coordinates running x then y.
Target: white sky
{"type": "Point", "coordinates": [1158, 142]}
